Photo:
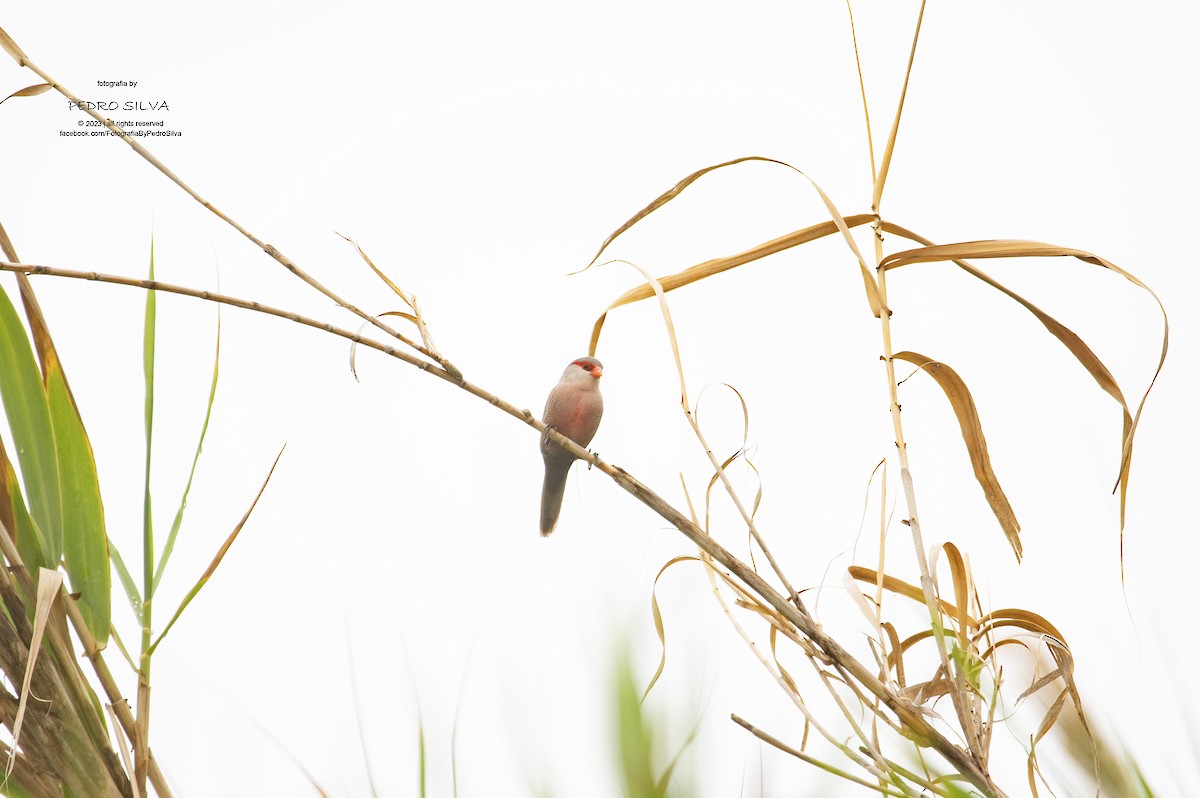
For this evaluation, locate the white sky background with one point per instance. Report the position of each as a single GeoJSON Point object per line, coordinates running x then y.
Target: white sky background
{"type": "Point", "coordinates": [479, 153]}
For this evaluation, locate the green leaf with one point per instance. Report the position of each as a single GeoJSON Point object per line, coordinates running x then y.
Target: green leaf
{"type": "Point", "coordinates": [216, 561]}
{"type": "Point", "coordinates": [85, 544]}
{"type": "Point", "coordinates": [637, 739]}
{"type": "Point", "coordinates": [33, 434]}
{"type": "Point", "coordinates": [175, 525]}
{"type": "Point", "coordinates": [131, 588]}
{"type": "Point", "coordinates": [16, 519]}
{"type": "Point", "coordinates": [148, 370]}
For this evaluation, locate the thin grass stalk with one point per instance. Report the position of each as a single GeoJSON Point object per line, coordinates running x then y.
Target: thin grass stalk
{"type": "Point", "coordinates": [223, 299]}
{"type": "Point", "coordinates": [866, 747]}
{"type": "Point", "coordinates": [803, 757]}
{"type": "Point", "coordinates": [792, 695]}
{"type": "Point", "coordinates": [965, 719]}
{"type": "Point", "coordinates": [282, 259]}
{"type": "Point", "coordinates": [695, 425]}
{"type": "Point", "coordinates": [928, 588]}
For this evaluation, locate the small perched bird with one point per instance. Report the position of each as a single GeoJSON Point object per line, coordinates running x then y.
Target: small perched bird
{"type": "Point", "coordinates": [573, 409]}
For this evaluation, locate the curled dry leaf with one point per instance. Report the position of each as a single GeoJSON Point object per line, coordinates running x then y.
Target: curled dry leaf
{"type": "Point", "coordinates": [29, 91]}
{"type": "Point", "coordinates": [897, 586]}
{"type": "Point", "coordinates": [837, 223]}
{"type": "Point", "coordinates": [658, 621]}
{"type": "Point", "coordinates": [1001, 248]}
{"type": "Point", "coordinates": [968, 421]}
{"type": "Point", "coordinates": [708, 268]}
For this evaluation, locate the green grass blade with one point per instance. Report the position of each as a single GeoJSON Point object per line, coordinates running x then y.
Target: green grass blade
{"type": "Point", "coordinates": [80, 521]}
{"type": "Point", "coordinates": [85, 543]}
{"type": "Point", "coordinates": [131, 588]}
{"type": "Point", "coordinates": [148, 371]}
{"type": "Point", "coordinates": [212, 393]}
{"type": "Point", "coordinates": [635, 736]}
{"type": "Point", "coordinates": [33, 434]}
{"type": "Point", "coordinates": [421, 753]}
{"type": "Point", "coordinates": [216, 561]}
{"type": "Point", "coordinates": [16, 518]}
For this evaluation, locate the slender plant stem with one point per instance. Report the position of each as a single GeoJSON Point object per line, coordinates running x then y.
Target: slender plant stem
{"type": "Point", "coordinates": [787, 749]}
{"type": "Point", "coordinates": [777, 674]}
{"type": "Point", "coordinates": [959, 699]}
{"type": "Point", "coordinates": [271, 250]}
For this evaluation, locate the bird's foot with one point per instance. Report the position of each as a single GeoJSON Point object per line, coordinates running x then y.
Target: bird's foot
{"type": "Point", "coordinates": [595, 459]}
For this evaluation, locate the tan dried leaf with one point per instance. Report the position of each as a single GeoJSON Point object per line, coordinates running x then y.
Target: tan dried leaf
{"type": "Point", "coordinates": [968, 421]}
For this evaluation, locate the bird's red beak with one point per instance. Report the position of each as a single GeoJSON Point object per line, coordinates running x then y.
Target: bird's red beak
{"type": "Point", "coordinates": [597, 372]}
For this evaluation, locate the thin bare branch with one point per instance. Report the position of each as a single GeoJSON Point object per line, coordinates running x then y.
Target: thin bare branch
{"type": "Point", "coordinates": [270, 249]}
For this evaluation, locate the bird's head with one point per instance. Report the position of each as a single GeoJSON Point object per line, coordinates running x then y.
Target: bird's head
{"type": "Point", "coordinates": [589, 364]}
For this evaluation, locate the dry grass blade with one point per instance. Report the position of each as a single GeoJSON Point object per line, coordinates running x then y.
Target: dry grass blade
{"type": "Point", "coordinates": [787, 749]}
{"type": "Point", "coordinates": [896, 657]}
{"type": "Point", "coordinates": [968, 421]}
{"type": "Point", "coordinates": [958, 571]}
{"type": "Point", "coordinates": [877, 194]}
{"type": "Point", "coordinates": [415, 317]}
{"type": "Point", "coordinates": [868, 609]}
{"type": "Point", "coordinates": [665, 308]}
{"type": "Point", "coordinates": [840, 222]}
{"type": "Point", "coordinates": [49, 583]}
{"type": "Point", "coordinates": [898, 586]}
{"type": "Point", "coordinates": [658, 621]}
{"type": "Point", "coordinates": [123, 747]}
{"type": "Point", "coordinates": [400, 314]}
{"type": "Point", "coordinates": [218, 557]}
{"type": "Point", "coordinates": [708, 268]}
{"type": "Point", "coordinates": [1065, 668]}
{"type": "Point", "coordinates": [1029, 621]}
{"type": "Point", "coordinates": [742, 453]}
{"type": "Point", "coordinates": [386, 280]}
{"type": "Point", "coordinates": [787, 677]}
{"type": "Point", "coordinates": [656, 290]}
{"type": "Point", "coordinates": [1065, 335]}
{"type": "Point", "coordinates": [1066, 663]}
{"type": "Point", "coordinates": [1074, 344]}
{"type": "Point", "coordinates": [29, 91]}
{"type": "Point", "coordinates": [666, 197]}
{"type": "Point", "coordinates": [862, 89]}
{"type": "Point", "coordinates": [1023, 249]}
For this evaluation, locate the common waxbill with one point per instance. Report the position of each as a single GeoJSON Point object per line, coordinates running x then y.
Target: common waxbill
{"type": "Point", "coordinates": [573, 409]}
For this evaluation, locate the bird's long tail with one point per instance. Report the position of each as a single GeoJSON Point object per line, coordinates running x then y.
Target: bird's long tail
{"type": "Point", "coordinates": [553, 488]}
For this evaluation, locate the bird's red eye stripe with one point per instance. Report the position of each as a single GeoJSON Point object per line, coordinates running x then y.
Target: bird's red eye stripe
{"type": "Point", "coordinates": [590, 368]}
